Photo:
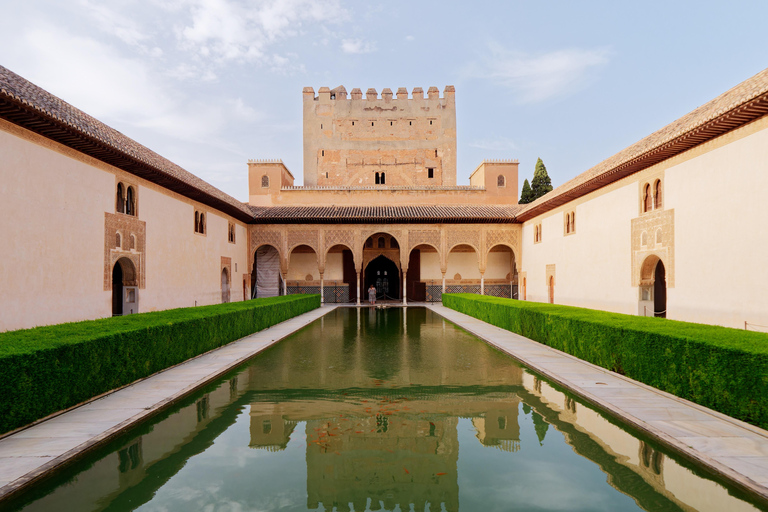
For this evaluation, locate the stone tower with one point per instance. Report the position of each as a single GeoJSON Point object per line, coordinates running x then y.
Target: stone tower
{"type": "Point", "coordinates": [387, 141]}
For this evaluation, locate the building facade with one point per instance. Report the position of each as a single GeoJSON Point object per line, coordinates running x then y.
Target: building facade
{"type": "Point", "coordinates": [666, 227]}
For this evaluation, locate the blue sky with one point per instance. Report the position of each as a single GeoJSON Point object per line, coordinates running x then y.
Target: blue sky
{"type": "Point", "coordinates": [212, 83]}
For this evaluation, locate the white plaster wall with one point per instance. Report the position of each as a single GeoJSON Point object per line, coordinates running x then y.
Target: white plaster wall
{"type": "Point", "coordinates": [302, 264]}
{"type": "Point", "coordinates": [430, 267]}
{"type": "Point", "coordinates": [593, 265]}
{"type": "Point", "coordinates": [334, 267]}
{"type": "Point", "coordinates": [464, 263]}
{"type": "Point", "coordinates": [721, 233]}
{"type": "Point", "coordinates": [52, 208]}
{"type": "Point", "coordinates": [183, 268]}
{"type": "Point", "coordinates": [51, 264]}
{"type": "Point", "coordinates": [499, 264]}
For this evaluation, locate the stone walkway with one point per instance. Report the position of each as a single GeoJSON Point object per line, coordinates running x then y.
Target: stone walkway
{"type": "Point", "coordinates": [727, 446]}
{"type": "Point", "coordinates": [38, 450]}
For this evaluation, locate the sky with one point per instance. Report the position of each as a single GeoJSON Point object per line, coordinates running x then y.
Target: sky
{"type": "Point", "coordinates": [210, 84]}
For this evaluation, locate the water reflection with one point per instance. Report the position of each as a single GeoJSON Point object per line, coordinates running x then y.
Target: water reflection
{"type": "Point", "coordinates": [367, 410]}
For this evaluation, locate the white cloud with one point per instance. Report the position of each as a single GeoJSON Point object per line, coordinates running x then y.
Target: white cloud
{"type": "Point", "coordinates": [536, 78]}
{"type": "Point", "coordinates": [357, 46]}
{"type": "Point", "coordinates": [497, 143]}
{"type": "Point", "coordinates": [409, 38]}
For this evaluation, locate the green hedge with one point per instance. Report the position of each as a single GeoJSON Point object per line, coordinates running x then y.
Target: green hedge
{"type": "Point", "coordinates": [720, 368]}
{"type": "Point", "coordinates": [46, 369]}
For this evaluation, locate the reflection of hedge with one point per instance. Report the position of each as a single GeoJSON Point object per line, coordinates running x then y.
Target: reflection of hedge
{"type": "Point", "coordinates": [721, 368]}
{"type": "Point", "coordinates": [46, 369]}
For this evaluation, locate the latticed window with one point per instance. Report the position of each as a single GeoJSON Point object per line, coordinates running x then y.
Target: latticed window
{"type": "Point", "coordinates": [657, 201]}
{"type": "Point", "coordinates": [265, 181]}
{"type": "Point", "coordinates": [647, 199]}
{"type": "Point", "coordinates": [501, 181]}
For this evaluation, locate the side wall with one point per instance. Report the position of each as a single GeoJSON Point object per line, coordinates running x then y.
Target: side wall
{"type": "Point", "coordinates": [708, 232]}
{"type": "Point", "coordinates": [57, 214]}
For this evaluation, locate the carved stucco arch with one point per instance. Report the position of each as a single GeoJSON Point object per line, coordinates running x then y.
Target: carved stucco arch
{"type": "Point", "coordinates": [283, 260]}
{"type": "Point", "coordinates": [368, 261]}
{"type": "Point", "coordinates": [648, 268]}
{"type": "Point", "coordinates": [338, 244]}
{"type": "Point", "coordinates": [317, 257]}
{"type": "Point", "coordinates": [508, 246]}
{"type": "Point", "coordinates": [478, 253]}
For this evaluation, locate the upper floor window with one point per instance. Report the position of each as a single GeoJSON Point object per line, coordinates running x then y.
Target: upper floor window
{"type": "Point", "coordinates": [430, 172]}
{"type": "Point", "coordinates": [570, 222]}
{"type": "Point", "coordinates": [231, 233]}
{"type": "Point", "coordinates": [265, 181]}
{"type": "Point", "coordinates": [537, 233]}
{"type": "Point", "coordinates": [657, 195]}
{"type": "Point", "coordinates": [393, 243]}
{"type": "Point", "coordinates": [381, 243]}
{"type": "Point", "coordinates": [383, 178]}
{"type": "Point", "coordinates": [125, 201]}
{"type": "Point", "coordinates": [647, 198]}
{"type": "Point", "coordinates": [501, 181]}
{"type": "Point", "coordinates": [199, 222]}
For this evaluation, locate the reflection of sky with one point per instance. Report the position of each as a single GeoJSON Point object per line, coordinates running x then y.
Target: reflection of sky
{"type": "Point", "coordinates": [230, 477]}
{"type": "Point", "coordinates": [547, 476]}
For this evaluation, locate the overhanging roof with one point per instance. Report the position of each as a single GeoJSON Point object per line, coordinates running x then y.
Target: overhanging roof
{"type": "Point", "coordinates": [442, 214]}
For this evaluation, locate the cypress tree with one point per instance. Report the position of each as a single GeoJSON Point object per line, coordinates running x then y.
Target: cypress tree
{"type": "Point", "coordinates": [541, 184]}
{"type": "Point", "coordinates": [527, 194]}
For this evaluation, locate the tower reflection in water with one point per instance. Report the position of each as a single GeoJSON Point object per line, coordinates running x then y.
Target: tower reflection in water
{"type": "Point", "coordinates": [373, 405]}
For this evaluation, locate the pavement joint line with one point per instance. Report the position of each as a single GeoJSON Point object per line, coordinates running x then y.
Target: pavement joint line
{"type": "Point", "coordinates": [51, 463]}
{"type": "Point", "coordinates": [712, 456]}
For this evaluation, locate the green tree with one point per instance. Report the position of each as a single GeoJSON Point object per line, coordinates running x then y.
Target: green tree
{"type": "Point", "coordinates": [540, 426]}
{"type": "Point", "coordinates": [527, 195]}
{"type": "Point", "coordinates": [541, 184]}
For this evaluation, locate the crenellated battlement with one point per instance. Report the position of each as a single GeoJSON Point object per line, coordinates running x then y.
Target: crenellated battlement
{"type": "Point", "coordinates": [340, 93]}
{"type": "Point", "coordinates": [265, 161]}
{"type": "Point", "coordinates": [500, 161]}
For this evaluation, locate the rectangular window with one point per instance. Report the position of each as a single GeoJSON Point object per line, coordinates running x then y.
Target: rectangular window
{"type": "Point", "coordinates": [430, 173]}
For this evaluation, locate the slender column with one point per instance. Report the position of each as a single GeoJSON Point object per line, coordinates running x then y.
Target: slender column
{"type": "Point", "coordinates": [443, 282]}
{"type": "Point", "coordinates": [285, 284]}
{"type": "Point", "coordinates": [404, 301]}
{"type": "Point", "coordinates": [322, 295]}
{"type": "Point", "coordinates": [482, 283]}
{"type": "Point", "coordinates": [358, 288]}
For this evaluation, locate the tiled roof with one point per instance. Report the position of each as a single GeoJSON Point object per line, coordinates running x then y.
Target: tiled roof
{"type": "Point", "coordinates": [458, 214]}
{"type": "Point", "coordinates": [742, 104]}
{"type": "Point", "coordinates": [25, 104]}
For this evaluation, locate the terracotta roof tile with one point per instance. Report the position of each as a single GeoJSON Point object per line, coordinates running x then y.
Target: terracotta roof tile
{"type": "Point", "coordinates": [384, 214]}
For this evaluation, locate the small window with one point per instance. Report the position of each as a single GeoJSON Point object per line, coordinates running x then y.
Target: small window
{"type": "Point", "coordinates": [537, 233]}
{"type": "Point", "coordinates": [410, 123]}
{"type": "Point", "coordinates": [435, 153]}
{"type": "Point", "coordinates": [647, 198]}
{"type": "Point", "coordinates": [118, 241]}
{"type": "Point", "coordinates": [231, 233]}
{"type": "Point", "coordinates": [430, 122]}
{"type": "Point", "coordinates": [390, 123]}
{"type": "Point", "coordinates": [369, 243]}
{"type": "Point", "coordinates": [353, 123]}
{"type": "Point", "coordinates": [333, 96]}
{"type": "Point", "coordinates": [381, 242]}
{"type": "Point", "coordinates": [383, 179]}
{"type": "Point", "coordinates": [130, 202]}
{"type": "Point", "coordinates": [657, 197]}
{"type": "Point", "coordinates": [573, 221]}
{"type": "Point", "coordinates": [322, 153]}
{"type": "Point", "coordinates": [567, 223]}
{"type": "Point", "coordinates": [377, 178]}
{"type": "Point", "coordinates": [265, 181]}
{"type": "Point", "coordinates": [202, 223]}
{"type": "Point", "coordinates": [321, 126]}
{"type": "Point", "coordinates": [326, 174]}
{"type": "Point", "coordinates": [120, 200]}
{"type": "Point", "coordinates": [501, 181]}
{"type": "Point", "coordinates": [199, 222]}
{"type": "Point", "coordinates": [430, 173]}
{"type": "Point", "coordinates": [371, 123]}
{"type": "Point", "coordinates": [132, 242]}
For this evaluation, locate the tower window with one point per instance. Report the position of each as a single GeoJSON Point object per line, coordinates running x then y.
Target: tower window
{"type": "Point", "coordinates": [377, 178]}
{"type": "Point", "coordinates": [371, 123]}
{"type": "Point", "coordinates": [390, 123]}
{"type": "Point", "coordinates": [353, 123]}
{"type": "Point", "coordinates": [265, 181]}
{"type": "Point", "coordinates": [321, 126]}
{"type": "Point", "coordinates": [410, 123]}
{"type": "Point", "coordinates": [501, 181]}
{"type": "Point", "coordinates": [199, 222]}
{"type": "Point", "coordinates": [435, 153]}
{"type": "Point", "coordinates": [430, 172]}
{"type": "Point", "coordinates": [383, 179]}
{"type": "Point", "coordinates": [322, 153]}
{"type": "Point", "coordinates": [430, 122]}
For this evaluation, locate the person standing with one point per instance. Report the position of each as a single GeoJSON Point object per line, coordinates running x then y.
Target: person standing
{"type": "Point", "coordinates": [372, 295]}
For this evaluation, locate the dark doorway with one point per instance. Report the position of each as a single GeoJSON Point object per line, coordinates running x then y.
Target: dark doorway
{"type": "Point", "coordinates": [417, 291]}
{"type": "Point", "coordinates": [117, 290]}
{"type": "Point", "coordinates": [349, 273]}
{"type": "Point", "coordinates": [384, 275]}
{"type": "Point", "coordinates": [660, 291]}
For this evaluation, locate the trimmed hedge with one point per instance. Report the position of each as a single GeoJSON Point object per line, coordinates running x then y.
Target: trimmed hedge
{"type": "Point", "coordinates": [47, 369]}
{"type": "Point", "coordinates": [720, 368]}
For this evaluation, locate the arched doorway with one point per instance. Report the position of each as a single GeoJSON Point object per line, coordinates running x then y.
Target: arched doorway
{"type": "Point", "coordinates": [383, 273]}
{"type": "Point", "coordinates": [340, 275]}
{"type": "Point", "coordinates": [265, 274]}
{"type": "Point", "coordinates": [224, 285]}
{"type": "Point", "coordinates": [660, 291]}
{"type": "Point", "coordinates": [125, 299]}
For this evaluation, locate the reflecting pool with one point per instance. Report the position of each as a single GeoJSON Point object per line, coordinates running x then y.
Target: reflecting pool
{"type": "Point", "coordinates": [382, 409]}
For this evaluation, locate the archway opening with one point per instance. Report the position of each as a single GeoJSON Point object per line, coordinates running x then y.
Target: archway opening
{"type": "Point", "coordinates": [265, 275]}
{"type": "Point", "coordinates": [224, 285]}
{"type": "Point", "coordinates": [340, 277]}
{"type": "Point", "coordinates": [124, 288]}
{"type": "Point", "coordinates": [660, 291]}
{"type": "Point", "coordinates": [463, 270]}
{"type": "Point", "coordinates": [500, 272]}
{"type": "Point", "coordinates": [384, 275]}
{"type": "Point", "coordinates": [303, 270]}
{"type": "Point", "coordinates": [423, 280]}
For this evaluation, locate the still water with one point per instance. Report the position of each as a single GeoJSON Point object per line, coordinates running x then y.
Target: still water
{"type": "Point", "coordinates": [381, 409]}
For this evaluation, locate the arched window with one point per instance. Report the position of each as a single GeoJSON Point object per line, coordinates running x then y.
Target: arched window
{"type": "Point", "coordinates": [383, 179]}
{"type": "Point", "coordinates": [369, 243]}
{"type": "Point", "coordinates": [567, 223]}
{"type": "Point", "coordinates": [131, 242]}
{"type": "Point", "coordinates": [393, 243]}
{"type": "Point", "coordinates": [202, 223]}
{"type": "Point", "coordinates": [573, 222]}
{"type": "Point", "coordinates": [657, 198]}
{"type": "Point", "coordinates": [377, 178]}
{"type": "Point", "coordinates": [265, 181]}
{"type": "Point", "coordinates": [120, 200]}
{"type": "Point", "coordinates": [197, 222]}
{"type": "Point", "coordinates": [381, 242]}
{"type": "Point", "coordinates": [118, 241]}
{"type": "Point", "coordinates": [130, 202]}
{"type": "Point", "coordinates": [231, 233]}
{"type": "Point", "coordinates": [647, 198]}
{"type": "Point", "coordinates": [501, 181]}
